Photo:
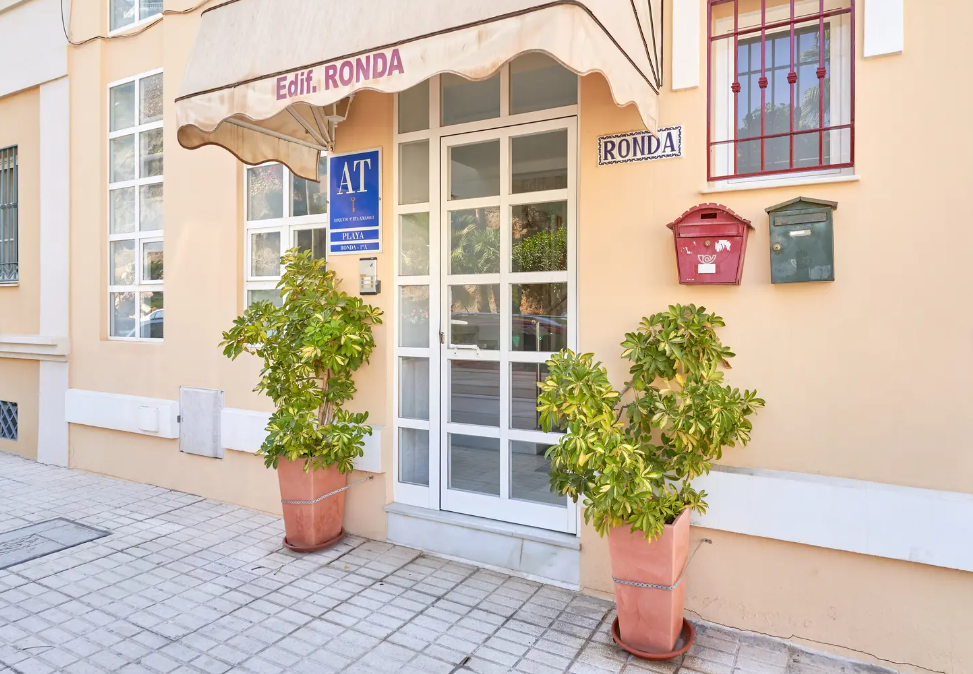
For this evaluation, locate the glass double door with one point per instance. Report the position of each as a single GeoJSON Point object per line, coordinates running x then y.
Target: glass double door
{"type": "Point", "coordinates": [508, 302]}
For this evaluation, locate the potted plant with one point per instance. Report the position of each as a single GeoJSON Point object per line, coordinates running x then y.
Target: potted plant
{"type": "Point", "coordinates": [631, 455]}
{"type": "Point", "coordinates": [311, 347]}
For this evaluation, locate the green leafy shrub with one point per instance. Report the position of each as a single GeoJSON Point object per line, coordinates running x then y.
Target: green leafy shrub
{"type": "Point", "coordinates": [631, 455]}
{"type": "Point", "coordinates": [311, 347]}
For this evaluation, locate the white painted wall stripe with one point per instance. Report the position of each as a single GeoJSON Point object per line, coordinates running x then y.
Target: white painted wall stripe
{"type": "Point", "coordinates": [33, 49]}
{"type": "Point", "coordinates": [884, 27]}
{"type": "Point", "coordinates": [686, 34]}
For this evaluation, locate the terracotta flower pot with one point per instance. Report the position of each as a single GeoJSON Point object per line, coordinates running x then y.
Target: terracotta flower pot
{"type": "Point", "coordinates": [650, 619]}
{"type": "Point", "coordinates": [311, 526]}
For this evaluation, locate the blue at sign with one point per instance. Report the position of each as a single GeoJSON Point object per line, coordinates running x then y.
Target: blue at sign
{"type": "Point", "coordinates": [355, 195]}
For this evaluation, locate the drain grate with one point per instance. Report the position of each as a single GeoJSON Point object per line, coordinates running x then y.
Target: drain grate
{"type": "Point", "coordinates": [45, 538]}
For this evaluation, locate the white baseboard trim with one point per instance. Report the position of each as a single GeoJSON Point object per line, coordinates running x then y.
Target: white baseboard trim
{"type": "Point", "coordinates": [870, 518]}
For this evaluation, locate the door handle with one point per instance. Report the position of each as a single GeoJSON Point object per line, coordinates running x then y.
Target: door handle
{"type": "Point", "coordinates": [465, 347]}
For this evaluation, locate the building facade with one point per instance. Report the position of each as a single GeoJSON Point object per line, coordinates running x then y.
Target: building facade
{"type": "Point", "coordinates": [837, 525]}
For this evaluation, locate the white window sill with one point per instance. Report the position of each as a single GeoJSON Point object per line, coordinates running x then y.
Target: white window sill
{"type": "Point", "coordinates": [9, 284]}
{"type": "Point", "coordinates": [715, 188]}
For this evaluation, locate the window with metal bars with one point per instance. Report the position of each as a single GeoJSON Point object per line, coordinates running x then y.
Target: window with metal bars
{"type": "Point", "coordinates": [9, 263]}
{"type": "Point", "coordinates": [781, 87]}
{"type": "Point", "coordinates": [8, 420]}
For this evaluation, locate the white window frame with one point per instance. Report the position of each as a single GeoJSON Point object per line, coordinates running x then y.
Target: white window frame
{"type": "Point", "coordinates": [138, 236]}
{"type": "Point", "coordinates": [430, 496]}
{"type": "Point", "coordinates": [138, 23]}
{"type": "Point", "coordinates": [287, 226]}
{"type": "Point", "coordinates": [723, 99]}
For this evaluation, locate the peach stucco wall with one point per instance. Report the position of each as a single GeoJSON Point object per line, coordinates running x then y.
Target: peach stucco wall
{"type": "Point", "coordinates": [19, 381]}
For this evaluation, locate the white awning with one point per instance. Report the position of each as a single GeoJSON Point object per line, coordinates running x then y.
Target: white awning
{"type": "Point", "coordinates": [270, 79]}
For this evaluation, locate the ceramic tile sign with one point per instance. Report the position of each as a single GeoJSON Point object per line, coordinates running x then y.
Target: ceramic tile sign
{"type": "Point", "coordinates": [624, 148]}
{"type": "Point", "coordinates": [355, 196]}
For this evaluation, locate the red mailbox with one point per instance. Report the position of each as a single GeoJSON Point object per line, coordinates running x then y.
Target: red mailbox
{"type": "Point", "coordinates": [711, 241]}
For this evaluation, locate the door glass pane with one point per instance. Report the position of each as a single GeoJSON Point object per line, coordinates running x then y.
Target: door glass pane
{"type": "Point", "coordinates": [272, 296]}
{"type": "Point", "coordinates": [529, 469]}
{"type": "Point", "coordinates": [414, 388]}
{"type": "Point", "coordinates": [122, 210]}
{"type": "Point", "coordinates": [152, 261]}
{"type": "Point", "coordinates": [539, 162]}
{"type": "Point", "coordinates": [150, 207]}
{"type": "Point", "coordinates": [122, 102]}
{"type": "Point", "coordinates": [414, 108]}
{"type": "Point", "coordinates": [122, 159]}
{"type": "Point", "coordinates": [539, 316]}
{"type": "Point", "coordinates": [474, 315]}
{"type": "Point", "coordinates": [414, 316]}
{"type": "Point", "coordinates": [474, 392]}
{"type": "Point", "coordinates": [150, 99]}
{"type": "Point", "coordinates": [265, 254]}
{"type": "Point", "coordinates": [414, 172]}
{"type": "Point", "coordinates": [524, 378]}
{"type": "Point", "coordinates": [122, 263]}
{"type": "Point", "coordinates": [474, 241]}
{"type": "Point", "coordinates": [540, 237]}
{"type": "Point", "coordinates": [152, 316]}
{"type": "Point", "coordinates": [474, 464]}
{"type": "Point", "coordinates": [464, 100]}
{"type": "Point", "coordinates": [123, 315]}
{"type": "Point", "coordinates": [265, 192]}
{"type": "Point", "coordinates": [474, 170]}
{"type": "Point", "coordinates": [314, 240]}
{"type": "Point", "coordinates": [414, 244]}
{"type": "Point", "coordinates": [309, 197]}
{"type": "Point", "coordinates": [414, 456]}
{"type": "Point", "coordinates": [150, 153]}
{"type": "Point", "coordinates": [538, 82]}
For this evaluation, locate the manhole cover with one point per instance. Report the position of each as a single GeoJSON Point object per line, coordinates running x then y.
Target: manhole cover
{"type": "Point", "coordinates": [30, 542]}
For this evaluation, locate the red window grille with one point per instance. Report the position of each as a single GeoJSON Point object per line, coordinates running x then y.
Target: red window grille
{"type": "Point", "coordinates": [781, 87]}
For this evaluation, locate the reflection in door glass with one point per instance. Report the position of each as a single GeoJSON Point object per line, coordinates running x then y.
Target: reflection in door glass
{"type": "Point", "coordinates": [414, 388]}
{"type": "Point", "coordinates": [474, 241]}
{"type": "Point", "coordinates": [540, 237]}
{"type": "Point", "coordinates": [474, 464]}
{"type": "Point", "coordinates": [414, 456]}
{"type": "Point", "coordinates": [524, 378]}
{"type": "Point", "coordinates": [413, 244]}
{"type": "Point", "coordinates": [474, 392]}
{"type": "Point", "coordinates": [468, 101]}
{"type": "Point", "coordinates": [474, 315]}
{"type": "Point", "coordinates": [414, 316]}
{"type": "Point", "coordinates": [539, 318]}
{"type": "Point", "coordinates": [538, 82]}
{"type": "Point", "coordinates": [474, 170]}
{"type": "Point", "coordinates": [529, 468]}
{"type": "Point", "coordinates": [540, 162]}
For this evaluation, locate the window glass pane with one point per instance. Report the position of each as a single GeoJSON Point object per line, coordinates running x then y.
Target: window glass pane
{"type": "Point", "coordinates": [524, 378]}
{"type": "Point", "coordinates": [464, 100]}
{"type": "Point", "coordinates": [272, 296]}
{"type": "Point", "coordinates": [265, 254]}
{"type": "Point", "coordinates": [474, 392]}
{"type": "Point", "coordinates": [150, 207]}
{"type": "Point", "coordinates": [414, 108]}
{"type": "Point", "coordinates": [124, 315]}
{"type": "Point", "coordinates": [474, 170]}
{"type": "Point", "coordinates": [538, 82]}
{"type": "Point", "coordinates": [414, 456]}
{"type": "Point", "coordinates": [529, 474]}
{"type": "Point", "coordinates": [474, 315]}
{"type": "Point", "coordinates": [474, 241]}
{"type": "Point", "coordinates": [150, 325]}
{"type": "Point", "coordinates": [414, 244]}
{"type": "Point", "coordinates": [152, 261]}
{"type": "Point", "coordinates": [414, 172]}
{"type": "Point", "coordinates": [414, 316]}
{"type": "Point", "coordinates": [122, 103]}
{"type": "Point", "coordinates": [122, 206]}
{"type": "Point", "coordinates": [540, 237]}
{"type": "Point", "coordinates": [122, 158]}
{"type": "Point", "coordinates": [540, 162]}
{"type": "Point", "coordinates": [122, 263]}
{"type": "Point", "coordinates": [265, 192]}
{"type": "Point", "coordinates": [314, 240]}
{"type": "Point", "coordinates": [150, 153]}
{"type": "Point", "coordinates": [123, 12]}
{"type": "Point", "coordinates": [150, 99]}
{"type": "Point", "coordinates": [540, 316]}
{"type": "Point", "coordinates": [414, 388]}
{"type": "Point", "coordinates": [309, 197]}
{"type": "Point", "coordinates": [474, 464]}
{"type": "Point", "coordinates": [149, 8]}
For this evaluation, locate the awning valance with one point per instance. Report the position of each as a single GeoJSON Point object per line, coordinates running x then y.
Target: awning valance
{"type": "Point", "coordinates": [270, 79]}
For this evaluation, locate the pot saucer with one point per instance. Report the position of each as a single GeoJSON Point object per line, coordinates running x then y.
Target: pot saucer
{"type": "Point", "coordinates": [315, 548]}
{"type": "Point", "coordinates": [686, 639]}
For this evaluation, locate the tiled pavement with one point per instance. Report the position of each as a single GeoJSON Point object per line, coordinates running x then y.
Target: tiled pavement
{"type": "Point", "coordinates": [185, 584]}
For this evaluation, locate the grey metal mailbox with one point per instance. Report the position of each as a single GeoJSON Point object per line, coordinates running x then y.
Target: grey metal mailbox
{"type": "Point", "coordinates": [802, 240]}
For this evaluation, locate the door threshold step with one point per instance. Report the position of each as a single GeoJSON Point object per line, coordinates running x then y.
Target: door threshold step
{"type": "Point", "coordinates": [538, 554]}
